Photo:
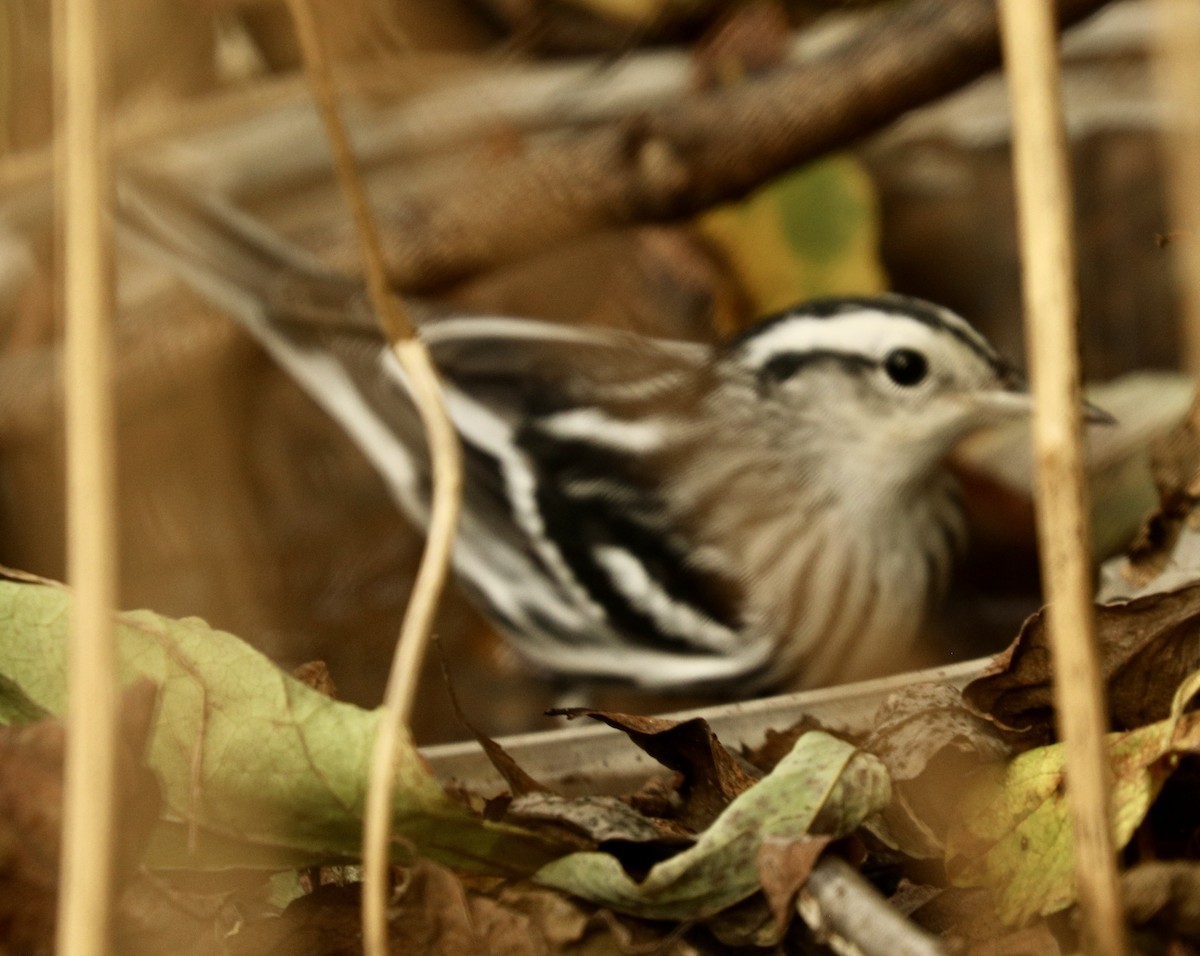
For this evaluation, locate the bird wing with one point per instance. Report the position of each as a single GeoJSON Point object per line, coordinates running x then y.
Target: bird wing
{"type": "Point", "coordinates": [564, 536]}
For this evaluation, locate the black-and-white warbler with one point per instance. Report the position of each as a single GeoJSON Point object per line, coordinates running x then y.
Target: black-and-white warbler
{"type": "Point", "coordinates": [770, 511]}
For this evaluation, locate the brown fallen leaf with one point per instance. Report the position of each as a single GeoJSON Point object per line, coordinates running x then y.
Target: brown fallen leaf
{"type": "Point", "coordinates": [784, 866]}
{"type": "Point", "coordinates": [436, 913]}
{"type": "Point", "coordinates": [914, 725]}
{"type": "Point", "coordinates": [316, 675]}
{"type": "Point", "coordinates": [1147, 647]}
{"type": "Point", "coordinates": [519, 782]}
{"type": "Point", "coordinates": [1163, 898]}
{"type": "Point", "coordinates": [777, 744]}
{"type": "Point", "coordinates": [600, 819]}
{"type": "Point", "coordinates": [188, 914]}
{"type": "Point", "coordinates": [712, 776]}
{"type": "Point", "coordinates": [1175, 466]}
{"type": "Point", "coordinates": [927, 739]}
{"type": "Point", "coordinates": [1032, 941]}
{"type": "Point", "coordinates": [31, 794]}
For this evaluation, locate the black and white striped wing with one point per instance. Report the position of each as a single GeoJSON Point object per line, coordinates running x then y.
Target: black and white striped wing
{"type": "Point", "coordinates": [564, 537]}
{"type": "Point", "coordinates": [567, 435]}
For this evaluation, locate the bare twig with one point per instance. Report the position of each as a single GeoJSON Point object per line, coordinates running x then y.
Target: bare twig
{"type": "Point", "coordinates": [86, 883]}
{"type": "Point", "coordinates": [389, 309]}
{"type": "Point", "coordinates": [446, 456]}
{"type": "Point", "coordinates": [1048, 259]}
{"type": "Point", "coordinates": [849, 915]}
{"type": "Point", "coordinates": [1177, 71]}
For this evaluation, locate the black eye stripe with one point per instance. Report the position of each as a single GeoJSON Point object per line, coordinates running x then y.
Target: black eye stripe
{"type": "Point", "coordinates": [782, 367]}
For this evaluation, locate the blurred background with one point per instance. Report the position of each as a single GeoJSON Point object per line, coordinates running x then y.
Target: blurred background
{"type": "Point", "coordinates": [243, 504]}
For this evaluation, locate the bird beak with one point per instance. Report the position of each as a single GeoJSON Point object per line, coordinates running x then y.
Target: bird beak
{"type": "Point", "coordinates": [1092, 415]}
{"type": "Point", "coordinates": [1012, 400]}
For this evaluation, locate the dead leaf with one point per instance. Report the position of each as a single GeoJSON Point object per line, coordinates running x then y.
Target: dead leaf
{"type": "Point", "coordinates": [519, 782]}
{"type": "Point", "coordinates": [1176, 468]}
{"type": "Point", "coordinates": [1031, 941]}
{"type": "Point", "coordinates": [31, 810]}
{"type": "Point", "coordinates": [315, 674]}
{"type": "Point", "coordinates": [750, 923]}
{"type": "Point", "coordinates": [600, 819]}
{"type": "Point", "coordinates": [927, 739]}
{"type": "Point", "coordinates": [783, 868]}
{"type": "Point", "coordinates": [910, 897]}
{"type": "Point", "coordinates": [914, 725]}
{"type": "Point", "coordinates": [166, 914]}
{"type": "Point", "coordinates": [712, 775]}
{"type": "Point", "coordinates": [777, 744]}
{"type": "Point", "coordinates": [1013, 834]}
{"type": "Point", "coordinates": [256, 768]}
{"type": "Point", "coordinates": [1164, 897]}
{"type": "Point", "coordinates": [824, 786]}
{"type": "Point", "coordinates": [434, 912]}
{"type": "Point", "coordinates": [1147, 647]}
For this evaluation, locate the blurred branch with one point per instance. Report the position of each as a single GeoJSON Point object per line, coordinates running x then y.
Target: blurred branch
{"type": "Point", "coordinates": [684, 156]}
{"type": "Point", "coordinates": [626, 141]}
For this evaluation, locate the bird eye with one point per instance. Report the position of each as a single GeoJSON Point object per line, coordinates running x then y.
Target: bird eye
{"type": "Point", "coordinates": [905, 366]}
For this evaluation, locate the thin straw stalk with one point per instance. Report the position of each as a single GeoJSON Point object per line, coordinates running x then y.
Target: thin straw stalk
{"type": "Point", "coordinates": [1177, 73]}
{"type": "Point", "coordinates": [1048, 259]}
{"type": "Point", "coordinates": [446, 456]}
{"type": "Point", "coordinates": [89, 815]}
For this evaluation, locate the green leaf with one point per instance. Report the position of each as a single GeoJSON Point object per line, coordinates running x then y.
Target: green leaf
{"type": "Point", "coordinates": [257, 769]}
{"type": "Point", "coordinates": [824, 782]}
{"type": "Point", "coordinates": [16, 708]}
{"type": "Point", "coordinates": [809, 233]}
{"type": "Point", "coordinates": [1013, 834]}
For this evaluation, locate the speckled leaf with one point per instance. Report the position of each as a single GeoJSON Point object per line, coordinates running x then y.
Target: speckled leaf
{"type": "Point", "coordinates": [824, 785]}
{"type": "Point", "coordinates": [1013, 834]}
{"type": "Point", "coordinates": [256, 768]}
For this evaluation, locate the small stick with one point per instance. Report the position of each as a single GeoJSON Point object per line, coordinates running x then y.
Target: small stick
{"type": "Point", "coordinates": [850, 916]}
{"type": "Point", "coordinates": [1048, 260]}
{"type": "Point", "coordinates": [85, 902]}
{"type": "Point", "coordinates": [1177, 74]}
{"type": "Point", "coordinates": [446, 456]}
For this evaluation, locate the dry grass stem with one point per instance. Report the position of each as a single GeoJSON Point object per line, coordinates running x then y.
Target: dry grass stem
{"type": "Point", "coordinates": [388, 308]}
{"type": "Point", "coordinates": [1047, 254]}
{"type": "Point", "coordinates": [446, 455]}
{"type": "Point", "coordinates": [86, 890]}
{"type": "Point", "coordinates": [1177, 72]}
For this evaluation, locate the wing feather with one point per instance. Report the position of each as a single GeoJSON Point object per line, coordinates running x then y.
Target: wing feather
{"type": "Point", "coordinates": [565, 537]}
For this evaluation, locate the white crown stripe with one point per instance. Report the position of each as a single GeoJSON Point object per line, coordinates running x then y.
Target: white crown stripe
{"type": "Point", "coordinates": [869, 334]}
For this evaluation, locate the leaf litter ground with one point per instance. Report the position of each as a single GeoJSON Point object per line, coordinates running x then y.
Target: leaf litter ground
{"type": "Point", "coordinates": [953, 803]}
